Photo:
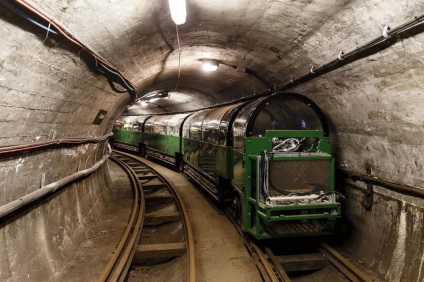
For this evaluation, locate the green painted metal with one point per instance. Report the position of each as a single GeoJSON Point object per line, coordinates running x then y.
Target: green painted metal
{"type": "Point", "coordinates": [238, 170]}
{"type": "Point", "coordinates": [168, 145]}
{"type": "Point", "coordinates": [296, 217]}
{"type": "Point", "coordinates": [214, 160]}
{"type": "Point", "coordinates": [240, 166]}
{"type": "Point", "coordinates": [129, 137]}
{"type": "Point", "coordinates": [224, 162]}
{"type": "Point", "coordinates": [245, 180]}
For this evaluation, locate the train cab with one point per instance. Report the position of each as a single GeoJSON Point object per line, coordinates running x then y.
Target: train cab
{"type": "Point", "coordinates": [283, 168]}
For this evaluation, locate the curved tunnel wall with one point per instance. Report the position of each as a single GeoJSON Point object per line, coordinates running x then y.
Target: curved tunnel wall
{"type": "Point", "coordinates": [374, 104]}
{"type": "Point", "coordinates": [49, 93]}
{"type": "Point", "coordinates": [37, 246]}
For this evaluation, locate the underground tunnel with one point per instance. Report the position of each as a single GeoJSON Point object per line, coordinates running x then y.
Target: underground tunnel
{"type": "Point", "coordinates": [74, 72]}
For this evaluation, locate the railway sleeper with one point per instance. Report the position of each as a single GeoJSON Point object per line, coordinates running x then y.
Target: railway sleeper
{"type": "Point", "coordinates": [146, 253]}
{"type": "Point", "coordinates": [146, 176]}
{"type": "Point", "coordinates": [303, 262]}
{"type": "Point", "coordinates": [154, 186]}
{"type": "Point", "coordinates": [141, 171]}
{"type": "Point", "coordinates": [158, 198]}
{"type": "Point", "coordinates": [157, 219]}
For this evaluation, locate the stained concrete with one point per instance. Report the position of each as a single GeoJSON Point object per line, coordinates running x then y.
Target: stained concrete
{"type": "Point", "coordinates": [70, 236]}
{"type": "Point", "coordinates": [37, 245]}
{"type": "Point", "coordinates": [99, 243]}
{"type": "Point", "coordinates": [387, 239]}
{"type": "Point", "coordinates": [22, 173]}
{"type": "Point", "coordinates": [374, 105]}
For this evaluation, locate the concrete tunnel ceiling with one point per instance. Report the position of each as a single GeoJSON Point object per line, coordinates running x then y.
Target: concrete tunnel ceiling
{"type": "Point", "coordinates": [276, 40]}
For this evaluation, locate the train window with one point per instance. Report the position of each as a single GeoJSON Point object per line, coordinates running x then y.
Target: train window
{"type": "Point", "coordinates": [211, 123]}
{"type": "Point", "coordinates": [148, 125]}
{"type": "Point", "coordinates": [280, 112]}
{"type": "Point", "coordinates": [196, 125]}
{"type": "Point", "coordinates": [159, 126]}
{"type": "Point", "coordinates": [186, 126]}
{"type": "Point", "coordinates": [174, 124]}
{"type": "Point", "coordinates": [284, 114]}
{"type": "Point", "coordinates": [140, 122]}
{"type": "Point", "coordinates": [225, 124]}
{"type": "Point", "coordinates": [215, 125]}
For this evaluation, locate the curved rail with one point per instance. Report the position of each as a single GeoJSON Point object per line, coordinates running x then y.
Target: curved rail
{"type": "Point", "coordinates": [272, 268]}
{"type": "Point", "coordinates": [346, 267]}
{"type": "Point", "coordinates": [118, 266]}
{"type": "Point", "coordinates": [189, 239]}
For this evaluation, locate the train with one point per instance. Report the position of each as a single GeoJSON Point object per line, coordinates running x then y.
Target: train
{"type": "Point", "coordinates": [268, 161]}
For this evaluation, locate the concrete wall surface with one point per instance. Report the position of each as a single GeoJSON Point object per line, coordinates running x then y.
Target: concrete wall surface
{"type": "Point", "coordinates": [39, 244]}
{"type": "Point", "coordinates": [387, 239]}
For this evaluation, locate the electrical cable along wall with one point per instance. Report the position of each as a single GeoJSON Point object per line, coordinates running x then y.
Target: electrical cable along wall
{"type": "Point", "coordinates": [26, 200]}
{"type": "Point", "coordinates": [58, 33]}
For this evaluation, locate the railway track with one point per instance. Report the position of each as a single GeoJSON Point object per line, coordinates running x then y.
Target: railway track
{"type": "Point", "coordinates": [158, 242]}
{"type": "Point", "coordinates": [278, 267]}
{"type": "Point", "coordinates": [275, 266]}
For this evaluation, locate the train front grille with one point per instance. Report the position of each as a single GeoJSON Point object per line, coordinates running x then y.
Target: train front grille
{"type": "Point", "coordinates": [299, 177]}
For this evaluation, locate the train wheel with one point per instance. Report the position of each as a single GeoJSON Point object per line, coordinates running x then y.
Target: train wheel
{"type": "Point", "coordinates": [235, 208]}
{"type": "Point", "coordinates": [143, 151]}
{"type": "Point", "coordinates": [181, 165]}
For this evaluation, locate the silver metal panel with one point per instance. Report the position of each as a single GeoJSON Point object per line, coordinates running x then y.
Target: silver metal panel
{"type": "Point", "coordinates": [299, 177]}
{"type": "Point", "coordinates": [174, 124]}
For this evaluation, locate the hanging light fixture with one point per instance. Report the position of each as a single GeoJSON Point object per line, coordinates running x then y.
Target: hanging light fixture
{"type": "Point", "coordinates": [178, 11]}
{"type": "Point", "coordinates": [210, 65]}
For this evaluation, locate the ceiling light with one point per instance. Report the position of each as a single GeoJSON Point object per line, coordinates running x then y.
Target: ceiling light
{"type": "Point", "coordinates": [153, 100]}
{"type": "Point", "coordinates": [210, 65]}
{"type": "Point", "coordinates": [178, 11]}
{"type": "Point", "coordinates": [144, 104]}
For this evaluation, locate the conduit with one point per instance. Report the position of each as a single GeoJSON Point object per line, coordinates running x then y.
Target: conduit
{"type": "Point", "coordinates": [388, 184]}
{"type": "Point", "coordinates": [51, 188]}
{"type": "Point", "coordinates": [99, 62]}
{"type": "Point", "coordinates": [388, 38]}
{"type": "Point", "coordinates": [63, 141]}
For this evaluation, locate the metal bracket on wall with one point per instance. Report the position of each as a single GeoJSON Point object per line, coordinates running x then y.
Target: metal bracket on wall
{"type": "Point", "coordinates": [43, 180]}
{"type": "Point", "coordinates": [369, 194]}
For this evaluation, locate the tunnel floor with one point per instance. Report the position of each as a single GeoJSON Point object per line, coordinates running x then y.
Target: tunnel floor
{"type": "Point", "coordinates": [104, 234]}
{"type": "Point", "coordinates": [219, 249]}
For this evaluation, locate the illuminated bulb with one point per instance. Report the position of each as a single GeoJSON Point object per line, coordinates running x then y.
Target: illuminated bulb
{"type": "Point", "coordinates": [210, 66]}
{"type": "Point", "coordinates": [178, 11]}
{"type": "Point", "coordinates": [144, 104]}
{"type": "Point", "coordinates": [153, 100]}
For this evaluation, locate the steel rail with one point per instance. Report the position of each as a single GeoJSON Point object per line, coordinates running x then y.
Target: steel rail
{"type": "Point", "coordinates": [345, 266]}
{"type": "Point", "coordinates": [117, 268]}
{"type": "Point", "coordinates": [191, 266]}
{"type": "Point", "coordinates": [188, 230]}
{"type": "Point", "coordinates": [277, 265]}
{"type": "Point", "coordinates": [262, 259]}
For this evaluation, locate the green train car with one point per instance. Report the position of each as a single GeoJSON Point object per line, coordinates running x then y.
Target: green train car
{"type": "Point", "coordinates": [269, 160]}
